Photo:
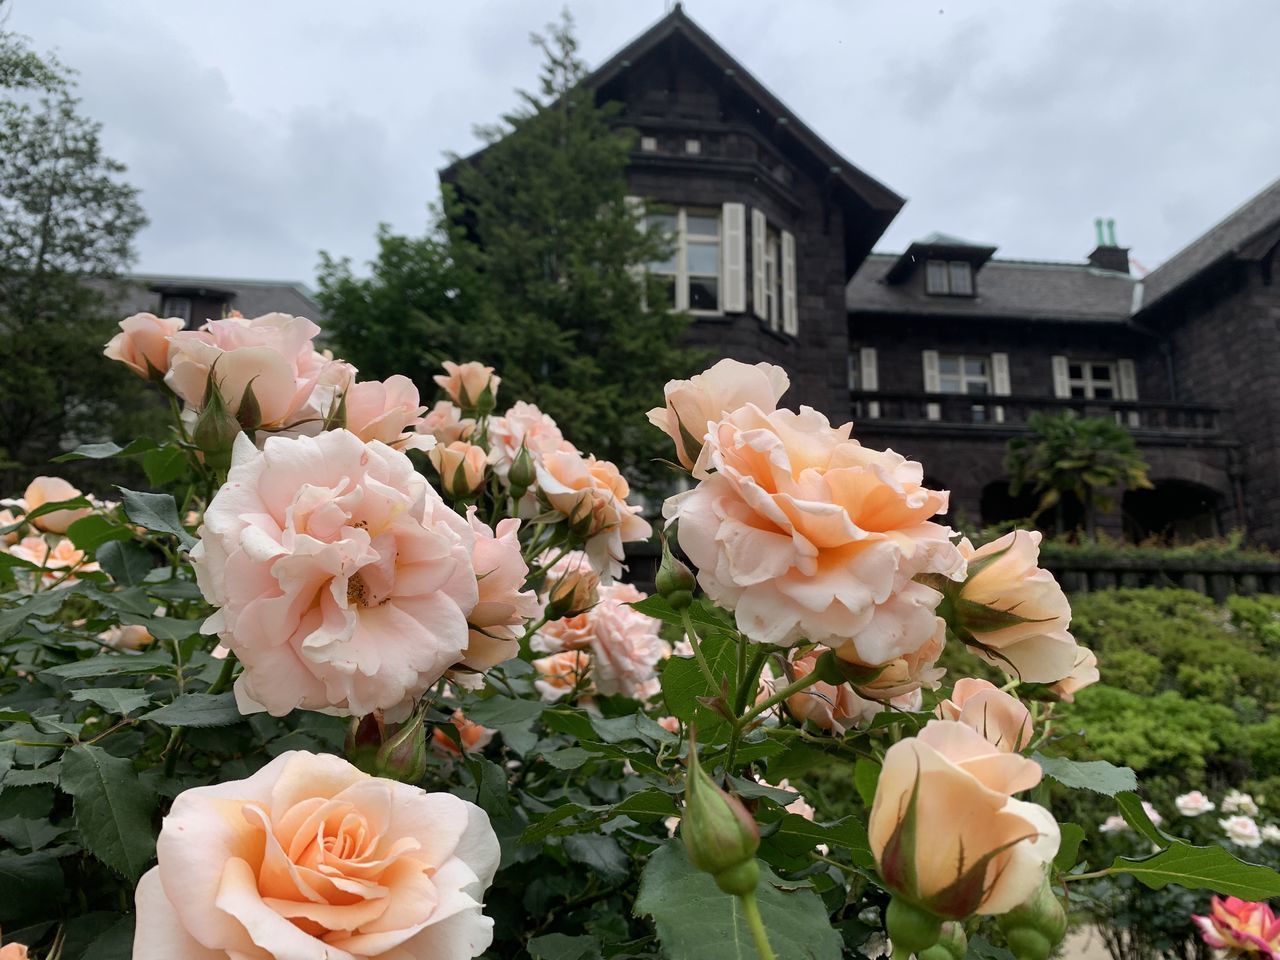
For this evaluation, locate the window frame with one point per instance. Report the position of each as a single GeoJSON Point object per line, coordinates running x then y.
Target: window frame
{"type": "Point", "coordinates": [166, 308]}
{"type": "Point", "coordinates": [681, 243]}
{"type": "Point", "coordinates": [964, 377]}
{"type": "Point", "coordinates": [1088, 384]}
{"type": "Point", "coordinates": [939, 274]}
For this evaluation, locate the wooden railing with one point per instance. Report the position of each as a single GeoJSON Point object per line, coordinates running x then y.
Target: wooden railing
{"type": "Point", "coordinates": [1010, 414]}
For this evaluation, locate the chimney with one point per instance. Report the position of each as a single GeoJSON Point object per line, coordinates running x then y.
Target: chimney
{"type": "Point", "coordinates": [1108, 255]}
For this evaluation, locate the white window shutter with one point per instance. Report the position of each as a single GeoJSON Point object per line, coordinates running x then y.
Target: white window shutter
{"type": "Point", "coordinates": [733, 258]}
{"type": "Point", "coordinates": [1061, 382]}
{"type": "Point", "coordinates": [932, 382]}
{"type": "Point", "coordinates": [758, 228]}
{"type": "Point", "coordinates": [1128, 376]}
{"type": "Point", "coordinates": [790, 314]}
{"type": "Point", "coordinates": [1000, 374]}
{"type": "Point", "coordinates": [870, 372]}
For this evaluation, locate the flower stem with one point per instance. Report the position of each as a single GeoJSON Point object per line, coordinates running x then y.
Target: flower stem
{"type": "Point", "coordinates": [692, 634]}
{"type": "Point", "coordinates": [751, 911]}
{"type": "Point", "coordinates": [224, 675]}
{"type": "Point", "coordinates": [808, 680]}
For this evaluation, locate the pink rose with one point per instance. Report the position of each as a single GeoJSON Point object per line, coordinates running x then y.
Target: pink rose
{"type": "Point", "coordinates": [384, 410]}
{"type": "Point", "coordinates": [560, 674]}
{"type": "Point", "coordinates": [311, 858]}
{"type": "Point", "coordinates": [503, 607]}
{"type": "Point", "coordinates": [9, 519]}
{"type": "Point", "coordinates": [1083, 674]}
{"type": "Point", "coordinates": [461, 467]}
{"type": "Point", "coordinates": [13, 951]}
{"type": "Point", "coordinates": [572, 587]}
{"type": "Point", "coordinates": [694, 404]}
{"type": "Point", "coordinates": [344, 582]}
{"type": "Point", "coordinates": [808, 535]}
{"type": "Point", "coordinates": [840, 707]}
{"type": "Point", "coordinates": [1002, 719]}
{"type": "Point", "coordinates": [825, 705]}
{"type": "Point", "coordinates": [1004, 576]}
{"type": "Point", "coordinates": [60, 559]}
{"type": "Point", "coordinates": [472, 735]}
{"type": "Point", "coordinates": [44, 490]}
{"type": "Point", "coordinates": [468, 384]}
{"type": "Point", "coordinates": [1240, 928]}
{"type": "Point", "coordinates": [972, 848]}
{"type": "Point", "coordinates": [143, 344]}
{"type": "Point", "coordinates": [592, 494]}
{"type": "Point", "coordinates": [445, 422]}
{"type": "Point", "coordinates": [523, 425]}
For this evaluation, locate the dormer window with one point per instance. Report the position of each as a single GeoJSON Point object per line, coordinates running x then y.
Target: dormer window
{"type": "Point", "coordinates": [949, 278]}
{"type": "Point", "coordinates": [177, 307]}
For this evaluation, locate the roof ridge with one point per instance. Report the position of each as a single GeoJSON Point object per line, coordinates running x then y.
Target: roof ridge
{"type": "Point", "coordinates": [200, 278]}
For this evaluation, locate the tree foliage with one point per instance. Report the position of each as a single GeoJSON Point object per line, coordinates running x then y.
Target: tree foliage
{"type": "Point", "coordinates": [67, 224]}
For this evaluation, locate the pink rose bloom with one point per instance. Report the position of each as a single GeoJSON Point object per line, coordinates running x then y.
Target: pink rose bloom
{"type": "Point", "coordinates": [466, 383]}
{"type": "Point", "coordinates": [808, 535]}
{"type": "Point", "coordinates": [1240, 928]}
{"type": "Point", "coordinates": [472, 735]}
{"type": "Point", "coordinates": [126, 636]}
{"type": "Point", "coordinates": [1083, 674]}
{"type": "Point", "coordinates": [384, 410]}
{"type": "Point", "coordinates": [503, 607]}
{"type": "Point", "coordinates": [60, 560]}
{"type": "Point", "coordinates": [445, 422]}
{"type": "Point", "coordinates": [1241, 830]}
{"type": "Point", "coordinates": [670, 724]}
{"type": "Point", "coordinates": [523, 425]}
{"type": "Point", "coordinates": [13, 951]}
{"type": "Point", "coordinates": [592, 494]}
{"type": "Point", "coordinates": [693, 405]}
{"type": "Point", "coordinates": [9, 519]}
{"type": "Point", "coordinates": [292, 383]}
{"type": "Point", "coordinates": [143, 344]}
{"type": "Point", "coordinates": [842, 706]}
{"type": "Point", "coordinates": [1005, 576]}
{"type": "Point", "coordinates": [975, 848]}
{"type": "Point", "coordinates": [1193, 804]}
{"type": "Point", "coordinates": [344, 582]}
{"type": "Point", "coordinates": [1002, 719]}
{"type": "Point", "coordinates": [461, 467]}
{"type": "Point", "coordinates": [44, 490]}
{"type": "Point", "coordinates": [310, 857]}
{"type": "Point", "coordinates": [562, 673]}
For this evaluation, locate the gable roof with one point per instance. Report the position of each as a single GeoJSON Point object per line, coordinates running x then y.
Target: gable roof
{"type": "Point", "coordinates": [251, 297]}
{"type": "Point", "coordinates": [1005, 289]}
{"type": "Point", "coordinates": [1257, 215]}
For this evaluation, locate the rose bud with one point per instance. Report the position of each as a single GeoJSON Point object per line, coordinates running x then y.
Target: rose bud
{"type": "Point", "coordinates": [1033, 928]}
{"type": "Point", "coordinates": [472, 386]}
{"type": "Point", "coordinates": [403, 755]}
{"type": "Point", "coordinates": [719, 835]}
{"type": "Point", "coordinates": [952, 943]}
{"type": "Point", "coordinates": [461, 466]}
{"type": "Point", "coordinates": [675, 581]}
{"type": "Point", "coordinates": [216, 429]}
{"type": "Point", "coordinates": [574, 593]}
{"type": "Point", "coordinates": [523, 472]}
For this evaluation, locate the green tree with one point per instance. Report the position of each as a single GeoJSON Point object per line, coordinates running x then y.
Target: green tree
{"type": "Point", "coordinates": [66, 232]}
{"type": "Point", "coordinates": [531, 269]}
{"type": "Point", "coordinates": [1066, 456]}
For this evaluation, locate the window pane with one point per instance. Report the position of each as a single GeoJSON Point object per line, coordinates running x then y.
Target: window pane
{"type": "Point", "coordinates": [1101, 371]}
{"type": "Point", "coordinates": [1077, 393]}
{"type": "Point", "coordinates": [855, 371]}
{"type": "Point", "coordinates": [935, 277]}
{"type": "Point", "coordinates": [704, 259]}
{"type": "Point", "coordinates": [702, 225]}
{"type": "Point", "coordinates": [961, 278]}
{"type": "Point", "coordinates": [1075, 371]}
{"type": "Point", "coordinates": [948, 364]}
{"type": "Point", "coordinates": [666, 222]}
{"type": "Point", "coordinates": [664, 266]}
{"type": "Point", "coordinates": [1103, 393]}
{"type": "Point", "coordinates": [979, 412]}
{"type": "Point", "coordinates": [976, 386]}
{"type": "Point", "coordinates": [975, 366]}
{"type": "Point", "coordinates": [949, 385]}
{"type": "Point", "coordinates": [704, 293]}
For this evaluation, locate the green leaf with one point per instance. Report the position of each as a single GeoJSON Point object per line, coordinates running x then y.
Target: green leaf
{"type": "Point", "coordinates": [26, 834]}
{"type": "Point", "coordinates": [696, 921]}
{"type": "Point", "coordinates": [198, 710]}
{"type": "Point", "coordinates": [112, 807]}
{"type": "Point", "coordinates": [637, 726]}
{"type": "Point", "coordinates": [1069, 847]}
{"type": "Point", "coordinates": [39, 605]}
{"type": "Point", "coordinates": [1096, 775]}
{"type": "Point", "coordinates": [683, 684]}
{"type": "Point", "coordinates": [75, 503]}
{"type": "Point", "coordinates": [796, 836]}
{"type": "Point", "coordinates": [91, 532]}
{"type": "Point", "coordinates": [118, 700]}
{"type": "Point", "coordinates": [570, 758]}
{"type": "Point", "coordinates": [156, 512]}
{"type": "Point", "coordinates": [599, 852]}
{"type": "Point", "coordinates": [164, 465]}
{"type": "Point", "coordinates": [29, 885]}
{"type": "Point", "coordinates": [1202, 868]}
{"type": "Point", "coordinates": [1135, 814]}
{"type": "Point", "coordinates": [105, 451]}
{"type": "Point", "coordinates": [650, 804]}
{"type": "Point", "coordinates": [112, 664]}
{"type": "Point", "coordinates": [493, 793]}
{"type": "Point", "coordinates": [124, 561]}
{"type": "Point", "coordinates": [539, 830]}
{"type": "Point", "coordinates": [795, 761]}
{"type": "Point", "coordinates": [866, 774]}
{"type": "Point", "coordinates": [560, 946]}
{"type": "Point", "coordinates": [502, 711]}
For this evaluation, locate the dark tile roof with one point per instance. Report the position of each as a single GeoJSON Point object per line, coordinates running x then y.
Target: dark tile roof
{"type": "Point", "coordinates": [1006, 289]}
{"type": "Point", "coordinates": [1255, 216]}
{"type": "Point", "coordinates": [251, 297]}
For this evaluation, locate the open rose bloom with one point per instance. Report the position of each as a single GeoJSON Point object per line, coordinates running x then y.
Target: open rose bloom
{"type": "Point", "coordinates": [310, 858]}
{"type": "Point", "coordinates": [1241, 928]}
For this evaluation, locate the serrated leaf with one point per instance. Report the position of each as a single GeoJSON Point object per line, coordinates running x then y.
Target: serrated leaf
{"type": "Point", "coordinates": [156, 512]}
{"type": "Point", "coordinates": [866, 774]}
{"type": "Point", "coordinates": [599, 852]}
{"type": "Point", "coordinates": [683, 684]}
{"type": "Point", "coordinates": [1096, 775]}
{"type": "Point", "coordinates": [112, 807]}
{"type": "Point", "coordinates": [28, 834]}
{"type": "Point", "coordinates": [198, 710]}
{"type": "Point", "coordinates": [124, 561]}
{"type": "Point", "coordinates": [112, 664]}
{"type": "Point", "coordinates": [637, 726]}
{"type": "Point", "coordinates": [1069, 846]}
{"type": "Point", "coordinates": [651, 804]}
{"type": "Point", "coordinates": [697, 921]}
{"type": "Point", "coordinates": [118, 700]}
{"type": "Point", "coordinates": [542, 828]}
{"type": "Point", "coordinates": [493, 794]}
{"type": "Point", "coordinates": [29, 883]}
{"type": "Point", "coordinates": [1135, 814]}
{"type": "Point", "coordinates": [570, 758]}
{"type": "Point", "coordinates": [502, 711]}
{"type": "Point", "coordinates": [54, 506]}
{"type": "Point", "coordinates": [38, 605]}
{"type": "Point", "coordinates": [1202, 868]}
{"type": "Point", "coordinates": [164, 465]}
{"type": "Point", "coordinates": [104, 451]}
{"type": "Point", "coordinates": [89, 533]}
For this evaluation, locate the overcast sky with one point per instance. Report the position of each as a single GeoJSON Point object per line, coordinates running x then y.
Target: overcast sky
{"type": "Point", "coordinates": [261, 132]}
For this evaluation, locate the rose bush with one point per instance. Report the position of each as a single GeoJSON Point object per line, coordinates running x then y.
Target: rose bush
{"type": "Point", "coordinates": [363, 677]}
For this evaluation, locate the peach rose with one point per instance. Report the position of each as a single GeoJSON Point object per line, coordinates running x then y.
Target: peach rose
{"type": "Point", "coordinates": [693, 405]}
{"type": "Point", "coordinates": [503, 607]}
{"type": "Point", "coordinates": [572, 586]}
{"type": "Point", "coordinates": [344, 582]}
{"type": "Point", "coordinates": [272, 356]}
{"type": "Point", "coordinates": [44, 490]}
{"type": "Point", "coordinates": [946, 831]}
{"type": "Point", "coordinates": [562, 673]}
{"type": "Point", "coordinates": [60, 559]}
{"type": "Point", "coordinates": [467, 384]}
{"type": "Point", "coordinates": [13, 951]}
{"type": "Point", "coordinates": [384, 410]}
{"type": "Point", "coordinates": [1002, 719]}
{"type": "Point", "coordinates": [1083, 674]}
{"type": "Point", "coordinates": [842, 706]}
{"type": "Point", "coordinates": [126, 636]}
{"type": "Point", "coordinates": [808, 535]}
{"type": "Point", "coordinates": [310, 857]}
{"type": "Point", "coordinates": [142, 344]}
{"type": "Point", "coordinates": [1004, 578]}
{"type": "Point", "coordinates": [9, 519]}
{"type": "Point", "coordinates": [445, 422]}
{"type": "Point", "coordinates": [473, 736]}
{"type": "Point", "coordinates": [461, 466]}
{"type": "Point", "coordinates": [825, 705]}
{"type": "Point", "coordinates": [523, 425]}
{"type": "Point", "coordinates": [592, 494]}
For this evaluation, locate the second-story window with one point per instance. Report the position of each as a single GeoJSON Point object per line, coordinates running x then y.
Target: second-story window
{"type": "Point", "coordinates": [773, 279]}
{"type": "Point", "coordinates": [692, 272]}
{"type": "Point", "coordinates": [948, 278]}
{"type": "Point", "coordinates": [177, 307]}
{"type": "Point", "coordinates": [960, 374]}
{"type": "Point", "coordinates": [1091, 381]}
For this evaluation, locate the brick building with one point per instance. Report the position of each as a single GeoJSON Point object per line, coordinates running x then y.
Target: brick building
{"type": "Point", "coordinates": [942, 351]}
